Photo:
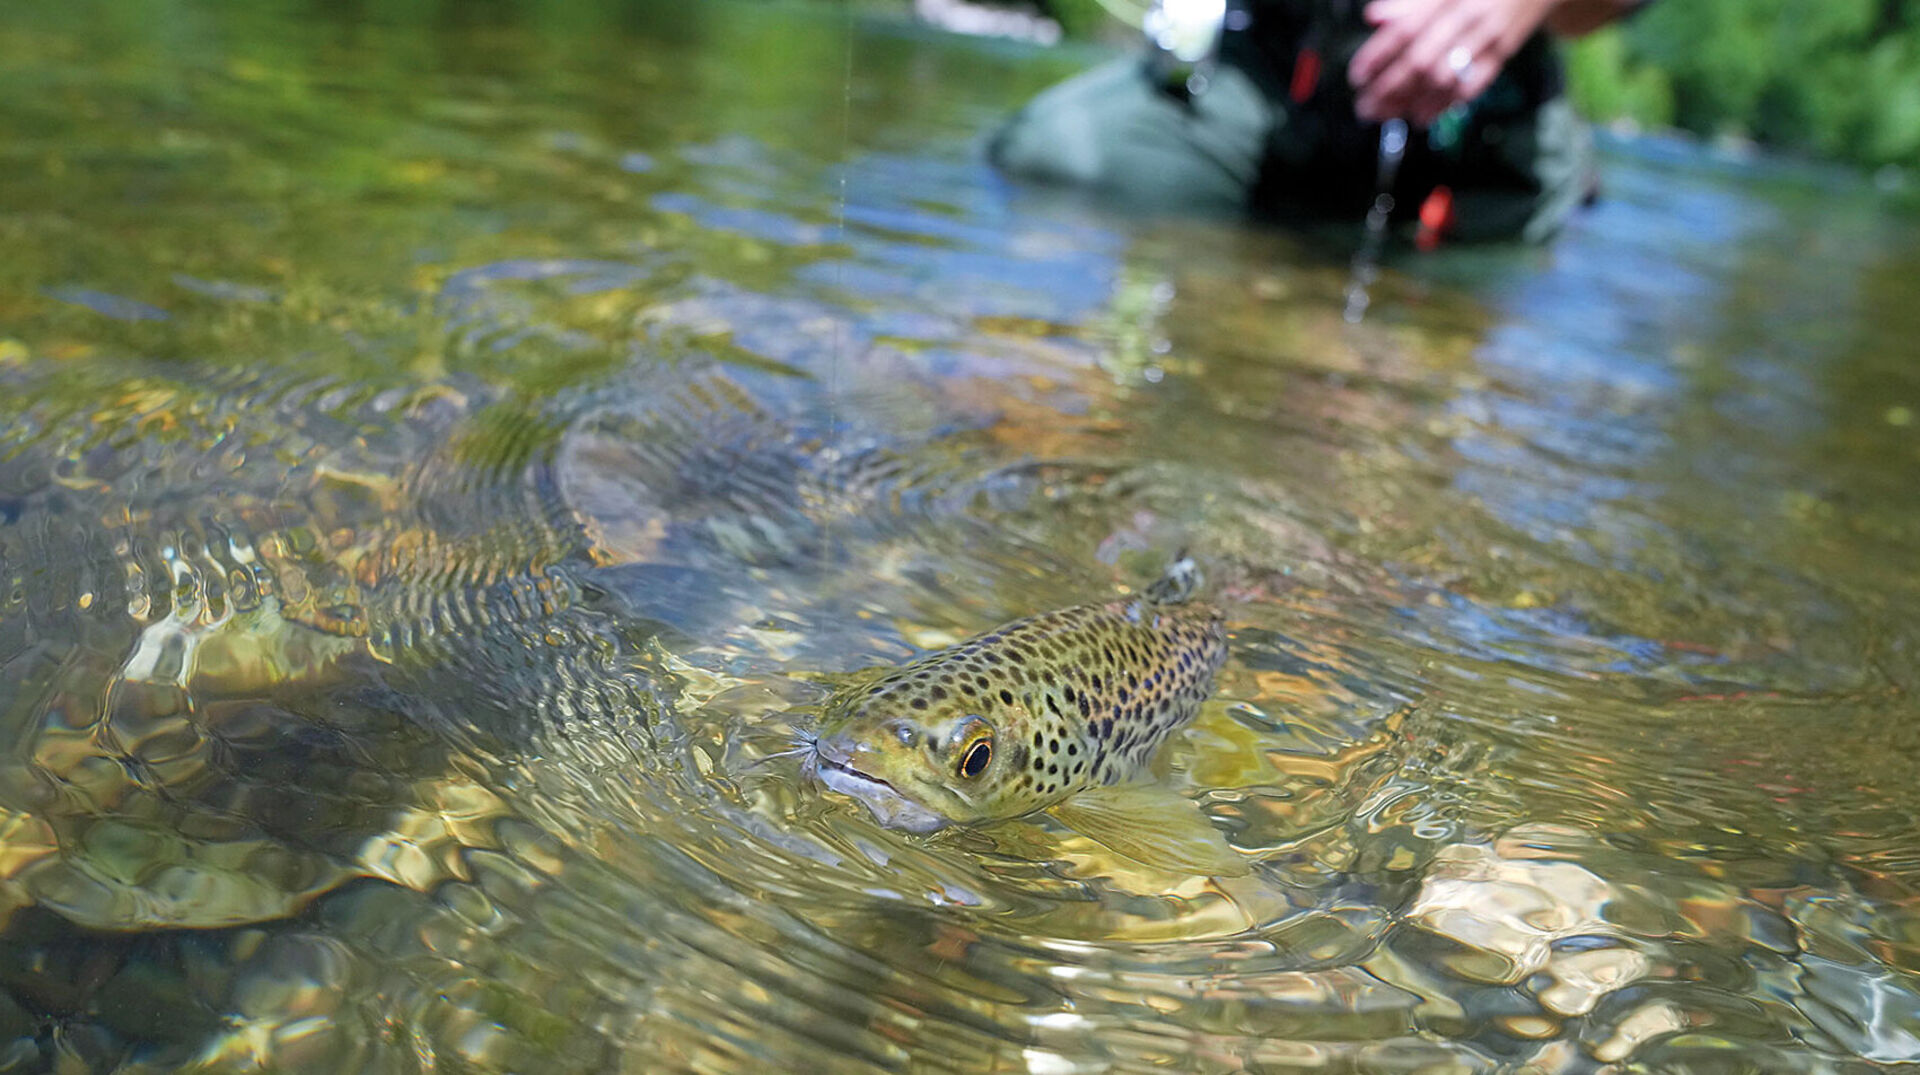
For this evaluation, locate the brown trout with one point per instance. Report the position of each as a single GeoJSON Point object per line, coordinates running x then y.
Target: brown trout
{"type": "Point", "coordinates": [1060, 712]}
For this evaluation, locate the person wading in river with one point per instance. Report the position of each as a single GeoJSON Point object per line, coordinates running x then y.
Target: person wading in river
{"type": "Point", "coordinates": [1275, 107]}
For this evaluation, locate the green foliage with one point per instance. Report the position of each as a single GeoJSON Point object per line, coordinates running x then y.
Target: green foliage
{"type": "Point", "coordinates": [1079, 18]}
{"type": "Point", "coordinates": [1840, 78]}
{"type": "Point", "coordinates": [1604, 83]}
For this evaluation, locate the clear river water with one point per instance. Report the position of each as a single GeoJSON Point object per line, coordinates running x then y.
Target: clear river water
{"type": "Point", "coordinates": [448, 449]}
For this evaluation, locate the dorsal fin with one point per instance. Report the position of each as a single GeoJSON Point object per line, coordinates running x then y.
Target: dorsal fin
{"type": "Point", "coordinates": [1177, 584]}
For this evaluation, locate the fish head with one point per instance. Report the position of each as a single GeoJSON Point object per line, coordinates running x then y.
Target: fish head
{"type": "Point", "coordinates": [921, 763]}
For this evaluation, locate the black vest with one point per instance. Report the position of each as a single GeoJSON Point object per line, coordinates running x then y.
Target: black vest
{"type": "Point", "coordinates": [1297, 52]}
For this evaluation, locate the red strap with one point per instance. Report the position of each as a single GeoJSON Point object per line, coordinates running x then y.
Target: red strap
{"type": "Point", "coordinates": [1436, 218]}
{"type": "Point", "coordinates": [1306, 74]}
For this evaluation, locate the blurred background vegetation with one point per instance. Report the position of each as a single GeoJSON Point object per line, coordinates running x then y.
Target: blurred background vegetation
{"type": "Point", "coordinates": [1834, 78]}
{"type": "Point", "coordinates": [1837, 78]}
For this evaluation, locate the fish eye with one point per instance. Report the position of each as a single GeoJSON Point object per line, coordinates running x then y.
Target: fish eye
{"type": "Point", "coordinates": [975, 760]}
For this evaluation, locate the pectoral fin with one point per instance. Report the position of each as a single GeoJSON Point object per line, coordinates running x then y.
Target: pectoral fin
{"type": "Point", "coordinates": [1152, 825]}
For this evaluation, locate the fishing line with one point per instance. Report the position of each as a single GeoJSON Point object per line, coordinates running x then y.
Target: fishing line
{"type": "Point", "coordinates": [841, 337]}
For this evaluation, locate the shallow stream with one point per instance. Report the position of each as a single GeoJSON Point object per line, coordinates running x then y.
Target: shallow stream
{"type": "Point", "coordinates": [444, 448]}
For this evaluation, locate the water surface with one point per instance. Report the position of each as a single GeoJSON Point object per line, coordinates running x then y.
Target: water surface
{"type": "Point", "coordinates": [446, 447]}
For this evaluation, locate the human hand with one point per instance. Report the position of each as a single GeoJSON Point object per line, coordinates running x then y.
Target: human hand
{"type": "Point", "coordinates": [1425, 56]}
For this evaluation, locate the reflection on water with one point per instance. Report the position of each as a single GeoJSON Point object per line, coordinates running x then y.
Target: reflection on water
{"type": "Point", "coordinates": [444, 457]}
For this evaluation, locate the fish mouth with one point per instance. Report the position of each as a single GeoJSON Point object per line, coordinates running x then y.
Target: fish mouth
{"type": "Point", "coordinates": [888, 805]}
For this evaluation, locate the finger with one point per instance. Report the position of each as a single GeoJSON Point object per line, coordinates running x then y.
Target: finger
{"type": "Point", "coordinates": [1383, 11]}
{"type": "Point", "coordinates": [1436, 83]}
{"type": "Point", "coordinates": [1489, 48]}
{"type": "Point", "coordinates": [1479, 77]}
{"type": "Point", "coordinates": [1429, 59]}
{"type": "Point", "coordinates": [1397, 24]}
{"type": "Point", "coordinates": [1379, 49]}
{"type": "Point", "coordinates": [1417, 74]}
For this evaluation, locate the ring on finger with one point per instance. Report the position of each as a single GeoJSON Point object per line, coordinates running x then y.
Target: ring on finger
{"type": "Point", "coordinates": [1460, 61]}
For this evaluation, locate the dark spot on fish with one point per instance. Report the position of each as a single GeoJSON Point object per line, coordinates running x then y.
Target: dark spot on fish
{"type": "Point", "coordinates": [1071, 748]}
{"type": "Point", "coordinates": [1053, 746]}
{"type": "Point", "coordinates": [1006, 696]}
{"type": "Point", "coordinates": [919, 703]}
{"type": "Point", "coordinates": [1086, 710]}
{"type": "Point", "coordinates": [936, 694]}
